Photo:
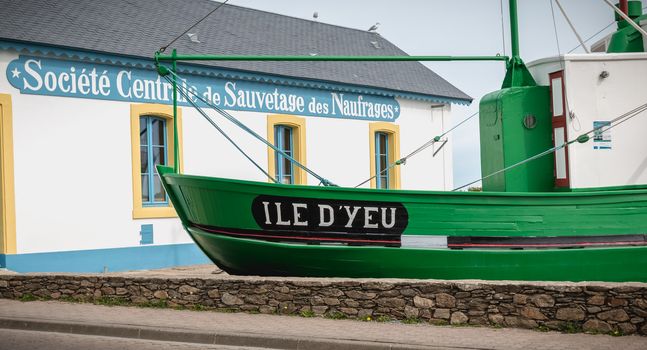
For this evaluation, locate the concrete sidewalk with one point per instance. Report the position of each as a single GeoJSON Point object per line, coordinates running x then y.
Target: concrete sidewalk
{"type": "Point", "coordinates": [284, 332]}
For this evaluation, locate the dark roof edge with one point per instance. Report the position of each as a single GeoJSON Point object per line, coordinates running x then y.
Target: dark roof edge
{"type": "Point", "coordinates": [80, 54]}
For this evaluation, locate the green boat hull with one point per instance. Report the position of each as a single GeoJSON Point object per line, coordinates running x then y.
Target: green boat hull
{"type": "Point", "coordinates": [235, 224]}
{"type": "Point", "coordinates": [241, 256]}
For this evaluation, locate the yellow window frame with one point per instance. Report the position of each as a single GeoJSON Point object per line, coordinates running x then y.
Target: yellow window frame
{"type": "Point", "coordinates": [7, 191]}
{"type": "Point", "coordinates": [298, 126]}
{"type": "Point", "coordinates": [393, 130]}
{"type": "Point", "coordinates": [160, 111]}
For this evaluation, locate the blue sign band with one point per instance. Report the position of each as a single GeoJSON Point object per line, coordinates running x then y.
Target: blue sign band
{"type": "Point", "coordinates": [54, 77]}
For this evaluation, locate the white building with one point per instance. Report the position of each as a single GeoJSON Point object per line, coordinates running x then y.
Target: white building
{"type": "Point", "coordinates": [84, 116]}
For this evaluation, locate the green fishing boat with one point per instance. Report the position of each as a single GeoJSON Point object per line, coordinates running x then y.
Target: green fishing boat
{"type": "Point", "coordinates": [561, 200]}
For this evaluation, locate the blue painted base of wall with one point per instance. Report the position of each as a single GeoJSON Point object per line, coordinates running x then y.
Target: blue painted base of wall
{"type": "Point", "coordinates": [111, 260]}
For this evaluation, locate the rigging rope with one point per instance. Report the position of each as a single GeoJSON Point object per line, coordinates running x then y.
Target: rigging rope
{"type": "Point", "coordinates": [581, 139]}
{"type": "Point", "coordinates": [552, 11]}
{"type": "Point", "coordinates": [568, 20]}
{"type": "Point", "coordinates": [403, 160]}
{"type": "Point", "coordinates": [163, 48]}
{"type": "Point", "coordinates": [245, 128]}
{"type": "Point", "coordinates": [188, 98]}
{"type": "Point", "coordinates": [598, 32]}
{"type": "Point", "coordinates": [592, 36]}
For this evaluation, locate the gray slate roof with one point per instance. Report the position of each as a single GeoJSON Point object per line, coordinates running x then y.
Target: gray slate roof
{"type": "Point", "coordinates": [141, 27]}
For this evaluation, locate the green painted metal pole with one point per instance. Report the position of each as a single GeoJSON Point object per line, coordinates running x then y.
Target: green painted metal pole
{"type": "Point", "coordinates": [176, 147]}
{"type": "Point", "coordinates": [325, 58]}
{"type": "Point", "coordinates": [514, 29]}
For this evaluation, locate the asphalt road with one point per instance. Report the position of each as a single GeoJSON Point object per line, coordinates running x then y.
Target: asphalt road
{"type": "Point", "coordinates": [31, 340]}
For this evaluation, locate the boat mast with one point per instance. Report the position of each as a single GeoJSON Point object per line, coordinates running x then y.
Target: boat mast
{"type": "Point", "coordinates": [176, 146]}
{"type": "Point", "coordinates": [514, 28]}
{"type": "Point", "coordinates": [517, 74]}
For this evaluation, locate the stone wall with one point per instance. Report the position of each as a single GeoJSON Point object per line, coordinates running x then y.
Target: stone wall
{"type": "Point", "coordinates": [601, 308]}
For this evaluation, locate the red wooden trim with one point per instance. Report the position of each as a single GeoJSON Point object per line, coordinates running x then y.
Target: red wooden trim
{"type": "Point", "coordinates": [559, 122]}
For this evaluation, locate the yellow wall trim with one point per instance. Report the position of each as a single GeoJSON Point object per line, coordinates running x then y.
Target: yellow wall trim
{"type": "Point", "coordinates": [7, 191]}
{"type": "Point", "coordinates": [394, 145]}
{"type": "Point", "coordinates": [299, 140]}
{"type": "Point", "coordinates": [162, 111]}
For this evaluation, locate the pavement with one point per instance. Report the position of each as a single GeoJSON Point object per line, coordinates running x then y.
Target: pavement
{"type": "Point", "coordinates": [282, 332]}
{"type": "Point", "coordinates": [34, 340]}
{"type": "Point", "coordinates": [268, 331]}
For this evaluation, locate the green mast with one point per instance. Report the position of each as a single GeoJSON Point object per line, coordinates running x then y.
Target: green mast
{"type": "Point", "coordinates": [176, 146]}
{"type": "Point", "coordinates": [516, 72]}
{"type": "Point", "coordinates": [515, 124]}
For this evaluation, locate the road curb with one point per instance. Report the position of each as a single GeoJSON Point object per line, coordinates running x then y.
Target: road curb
{"type": "Point", "coordinates": [186, 336]}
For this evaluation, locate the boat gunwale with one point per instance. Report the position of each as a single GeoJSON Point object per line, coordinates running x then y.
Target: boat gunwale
{"type": "Point", "coordinates": [576, 193]}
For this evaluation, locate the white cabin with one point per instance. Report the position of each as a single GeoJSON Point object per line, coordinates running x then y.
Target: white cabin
{"type": "Point", "coordinates": [588, 91]}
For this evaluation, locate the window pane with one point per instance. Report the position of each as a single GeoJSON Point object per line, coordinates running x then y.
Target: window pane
{"type": "Point", "coordinates": [157, 129]}
{"type": "Point", "coordinates": [160, 195]}
{"type": "Point", "coordinates": [145, 184]}
{"type": "Point", "coordinates": [558, 103]}
{"type": "Point", "coordinates": [383, 143]}
{"type": "Point", "coordinates": [159, 156]}
{"type": "Point", "coordinates": [382, 160]}
{"type": "Point", "coordinates": [283, 140]}
{"type": "Point", "coordinates": [383, 163]}
{"type": "Point", "coordinates": [384, 182]}
{"type": "Point", "coordinates": [287, 139]}
{"type": "Point", "coordinates": [287, 168]}
{"type": "Point", "coordinates": [277, 165]}
{"type": "Point", "coordinates": [143, 156]}
{"type": "Point", "coordinates": [143, 135]}
{"type": "Point", "coordinates": [560, 155]}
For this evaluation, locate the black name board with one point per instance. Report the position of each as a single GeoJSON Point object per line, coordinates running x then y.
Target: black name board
{"type": "Point", "coordinates": [321, 215]}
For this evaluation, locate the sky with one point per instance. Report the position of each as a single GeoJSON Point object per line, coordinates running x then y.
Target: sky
{"type": "Point", "coordinates": [460, 27]}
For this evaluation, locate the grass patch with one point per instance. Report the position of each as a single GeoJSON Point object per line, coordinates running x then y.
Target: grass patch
{"type": "Point", "coordinates": [195, 307]}
{"type": "Point", "coordinates": [383, 318]}
{"type": "Point", "coordinates": [411, 320]}
{"type": "Point", "coordinates": [336, 315]}
{"type": "Point", "coordinates": [543, 328]}
{"type": "Point", "coordinates": [28, 297]}
{"type": "Point", "coordinates": [616, 333]}
{"type": "Point", "coordinates": [439, 322]}
{"type": "Point", "coordinates": [570, 327]}
{"type": "Point", "coordinates": [158, 304]}
{"type": "Point", "coordinates": [307, 313]}
{"type": "Point", "coordinates": [225, 310]}
{"type": "Point", "coordinates": [112, 301]}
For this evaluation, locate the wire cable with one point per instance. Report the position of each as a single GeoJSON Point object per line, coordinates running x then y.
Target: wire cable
{"type": "Point", "coordinates": [236, 122]}
{"type": "Point", "coordinates": [404, 159]}
{"type": "Point", "coordinates": [188, 98]}
{"type": "Point", "coordinates": [163, 48]}
{"type": "Point", "coordinates": [568, 20]}
{"type": "Point", "coordinates": [592, 36]}
{"type": "Point", "coordinates": [582, 139]}
{"type": "Point", "coordinates": [552, 11]}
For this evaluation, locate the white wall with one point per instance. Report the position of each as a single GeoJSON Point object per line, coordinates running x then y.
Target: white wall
{"type": "Point", "coordinates": [591, 98]}
{"type": "Point", "coordinates": [420, 122]}
{"type": "Point", "coordinates": [337, 149]}
{"type": "Point", "coordinates": [73, 168]}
